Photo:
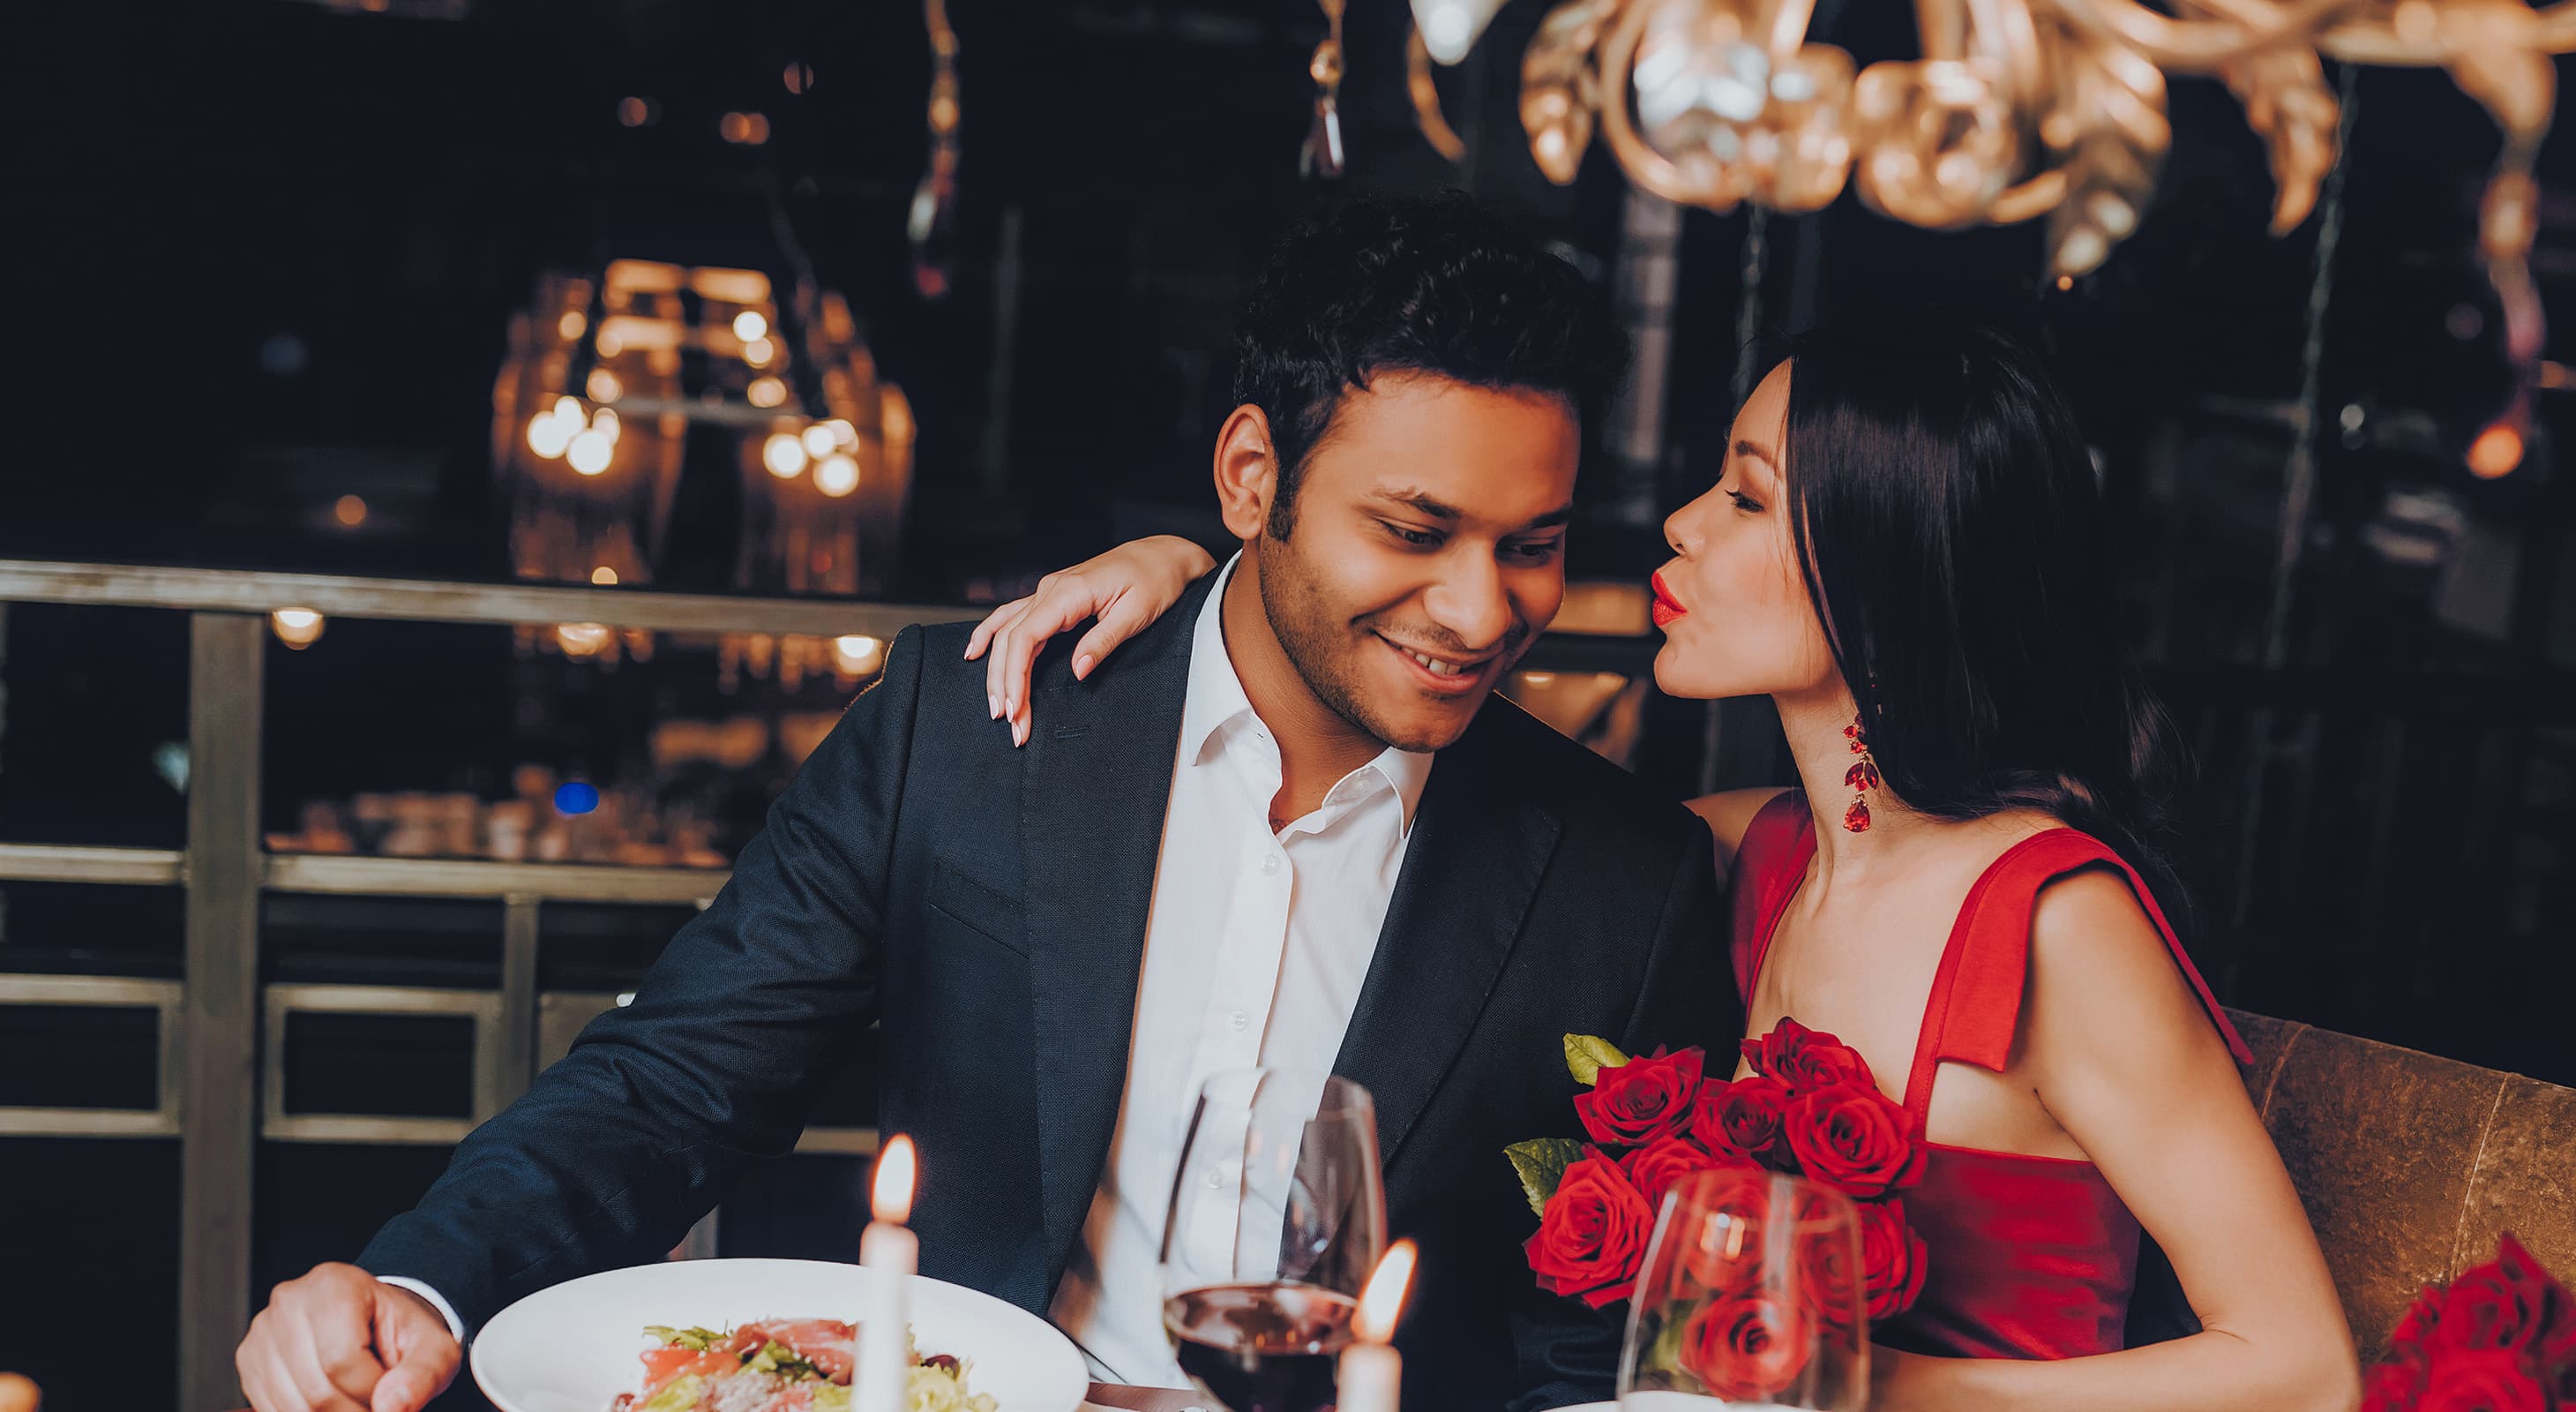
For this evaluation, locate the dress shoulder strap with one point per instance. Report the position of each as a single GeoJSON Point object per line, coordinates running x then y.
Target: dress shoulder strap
{"type": "Point", "coordinates": [1769, 864]}
{"type": "Point", "coordinates": [1976, 996]}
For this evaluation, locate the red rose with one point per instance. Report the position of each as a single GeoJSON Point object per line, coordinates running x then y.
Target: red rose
{"type": "Point", "coordinates": [1747, 1347]}
{"type": "Point", "coordinates": [1704, 1128]}
{"type": "Point", "coordinates": [2392, 1387]}
{"type": "Point", "coordinates": [1806, 1059]}
{"type": "Point", "coordinates": [1853, 1138]}
{"type": "Point", "coordinates": [1829, 1278]}
{"type": "Point", "coordinates": [2408, 1338]}
{"type": "Point", "coordinates": [2487, 1309]}
{"type": "Point", "coordinates": [2483, 1380]}
{"type": "Point", "coordinates": [1640, 1100]}
{"type": "Point", "coordinates": [1893, 1260]}
{"type": "Point", "coordinates": [1654, 1168]}
{"type": "Point", "coordinates": [1727, 1256]}
{"type": "Point", "coordinates": [1593, 1234]}
{"type": "Point", "coordinates": [1743, 1116]}
{"type": "Point", "coordinates": [2553, 1307]}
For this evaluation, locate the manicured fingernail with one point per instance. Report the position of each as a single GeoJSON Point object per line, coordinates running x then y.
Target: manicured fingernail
{"type": "Point", "coordinates": [1082, 666]}
{"type": "Point", "coordinates": [1011, 704]}
{"type": "Point", "coordinates": [1019, 732]}
{"type": "Point", "coordinates": [993, 704]}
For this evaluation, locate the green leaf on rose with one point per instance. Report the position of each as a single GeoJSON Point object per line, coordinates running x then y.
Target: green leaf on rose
{"type": "Point", "coordinates": [1664, 1355]}
{"type": "Point", "coordinates": [1587, 1055]}
{"type": "Point", "coordinates": [1541, 1163]}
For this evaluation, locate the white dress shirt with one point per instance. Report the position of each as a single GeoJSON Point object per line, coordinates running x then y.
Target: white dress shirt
{"type": "Point", "coordinates": [1255, 952]}
{"type": "Point", "coordinates": [437, 1301]}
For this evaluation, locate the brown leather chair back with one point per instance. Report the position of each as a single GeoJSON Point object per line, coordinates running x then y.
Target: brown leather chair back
{"type": "Point", "coordinates": [2410, 1165]}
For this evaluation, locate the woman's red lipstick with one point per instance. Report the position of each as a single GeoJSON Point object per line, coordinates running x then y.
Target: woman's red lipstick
{"type": "Point", "coordinates": [1666, 607]}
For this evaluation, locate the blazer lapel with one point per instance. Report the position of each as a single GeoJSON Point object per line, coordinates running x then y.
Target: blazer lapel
{"type": "Point", "coordinates": [1097, 784]}
{"type": "Point", "coordinates": [1469, 876]}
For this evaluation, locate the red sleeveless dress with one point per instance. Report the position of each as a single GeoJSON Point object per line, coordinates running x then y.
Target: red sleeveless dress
{"type": "Point", "coordinates": [2031, 1257]}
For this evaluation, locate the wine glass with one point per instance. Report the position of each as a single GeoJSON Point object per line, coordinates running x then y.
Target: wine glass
{"type": "Point", "coordinates": [1751, 1296]}
{"type": "Point", "coordinates": [1277, 1218]}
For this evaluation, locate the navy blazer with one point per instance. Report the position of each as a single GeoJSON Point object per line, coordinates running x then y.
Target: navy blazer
{"type": "Point", "coordinates": [987, 905]}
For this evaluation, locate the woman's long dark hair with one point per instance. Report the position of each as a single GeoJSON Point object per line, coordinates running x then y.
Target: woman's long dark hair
{"type": "Point", "coordinates": [1952, 531]}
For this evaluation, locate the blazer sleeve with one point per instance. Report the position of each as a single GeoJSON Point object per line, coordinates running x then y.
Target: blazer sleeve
{"type": "Point", "coordinates": [1567, 1352]}
{"type": "Point", "coordinates": [616, 1150]}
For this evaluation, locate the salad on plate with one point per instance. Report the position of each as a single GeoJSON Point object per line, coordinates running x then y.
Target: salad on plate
{"type": "Point", "coordinates": [781, 1365]}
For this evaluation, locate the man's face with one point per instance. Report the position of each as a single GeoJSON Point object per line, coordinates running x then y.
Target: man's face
{"type": "Point", "coordinates": [1427, 551]}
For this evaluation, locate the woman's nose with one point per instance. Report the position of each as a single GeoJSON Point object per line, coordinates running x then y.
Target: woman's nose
{"type": "Point", "coordinates": [1677, 531]}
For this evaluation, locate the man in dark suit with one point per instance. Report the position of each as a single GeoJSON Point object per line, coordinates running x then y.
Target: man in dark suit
{"type": "Point", "coordinates": [1284, 825]}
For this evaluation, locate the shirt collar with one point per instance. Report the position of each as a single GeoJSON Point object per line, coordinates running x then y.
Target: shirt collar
{"type": "Point", "coordinates": [1409, 771]}
{"type": "Point", "coordinates": [1216, 700]}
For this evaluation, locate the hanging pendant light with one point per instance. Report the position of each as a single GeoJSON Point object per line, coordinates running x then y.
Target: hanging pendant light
{"type": "Point", "coordinates": [823, 447]}
{"type": "Point", "coordinates": [1451, 27]}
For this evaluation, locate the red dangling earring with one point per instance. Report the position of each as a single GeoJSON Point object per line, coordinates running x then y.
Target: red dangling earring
{"type": "Point", "coordinates": [1862, 777]}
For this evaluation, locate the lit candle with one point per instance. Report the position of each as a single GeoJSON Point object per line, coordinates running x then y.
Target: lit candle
{"type": "Point", "coordinates": [1371, 1371]}
{"type": "Point", "coordinates": [890, 1254]}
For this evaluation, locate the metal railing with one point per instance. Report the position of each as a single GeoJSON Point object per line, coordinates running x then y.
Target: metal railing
{"type": "Point", "coordinates": [222, 1034]}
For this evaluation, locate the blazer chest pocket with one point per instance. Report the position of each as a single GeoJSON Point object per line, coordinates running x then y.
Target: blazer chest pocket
{"type": "Point", "coordinates": [974, 906]}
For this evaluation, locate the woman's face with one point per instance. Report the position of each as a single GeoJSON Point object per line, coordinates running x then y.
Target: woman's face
{"type": "Point", "coordinates": [1733, 607]}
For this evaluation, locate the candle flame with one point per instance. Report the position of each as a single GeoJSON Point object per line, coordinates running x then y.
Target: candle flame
{"type": "Point", "coordinates": [893, 1201]}
{"type": "Point", "coordinates": [1383, 1302]}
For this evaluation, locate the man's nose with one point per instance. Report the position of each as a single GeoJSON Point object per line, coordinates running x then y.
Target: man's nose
{"type": "Point", "coordinates": [1470, 603]}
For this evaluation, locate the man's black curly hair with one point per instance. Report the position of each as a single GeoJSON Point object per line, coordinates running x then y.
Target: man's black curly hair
{"type": "Point", "coordinates": [1433, 284]}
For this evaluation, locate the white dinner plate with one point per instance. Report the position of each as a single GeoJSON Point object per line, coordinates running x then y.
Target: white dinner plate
{"type": "Point", "coordinates": [574, 1348]}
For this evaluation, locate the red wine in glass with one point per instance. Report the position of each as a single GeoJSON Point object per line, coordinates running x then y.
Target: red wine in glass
{"type": "Point", "coordinates": [1261, 1347]}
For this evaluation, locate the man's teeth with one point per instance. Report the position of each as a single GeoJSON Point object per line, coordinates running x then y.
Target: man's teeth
{"type": "Point", "coordinates": [1438, 667]}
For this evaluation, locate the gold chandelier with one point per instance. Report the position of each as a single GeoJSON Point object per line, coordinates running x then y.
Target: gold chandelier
{"type": "Point", "coordinates": [605, 378]}
{"type": "Point", "coordinates": [2017, 109]}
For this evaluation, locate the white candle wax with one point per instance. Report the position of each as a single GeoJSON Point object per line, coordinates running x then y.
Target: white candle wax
{"type": "Point", "coordinates": [1370, 1376]}
{"type": "Point", "coordinates": [890, 1252]}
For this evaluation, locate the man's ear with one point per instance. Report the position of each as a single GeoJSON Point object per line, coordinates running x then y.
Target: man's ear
{"type": "Point", "coordinates": [1247, 472]}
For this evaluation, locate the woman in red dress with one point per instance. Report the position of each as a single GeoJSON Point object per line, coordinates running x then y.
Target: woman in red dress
{"type": "Point", "coordinates": [1906, 554]}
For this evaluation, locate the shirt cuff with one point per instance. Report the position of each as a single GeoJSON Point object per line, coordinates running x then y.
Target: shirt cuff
{"type": "Point", "coordinates": [437, 1301]}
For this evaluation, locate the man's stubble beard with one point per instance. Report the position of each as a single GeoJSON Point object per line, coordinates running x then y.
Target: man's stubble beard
{"type": "Point", "coordinates": [1314, 641]}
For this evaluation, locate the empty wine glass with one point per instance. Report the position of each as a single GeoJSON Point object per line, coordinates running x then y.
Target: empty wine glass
{"type": "Point", "coordinates": [1751, 1296]}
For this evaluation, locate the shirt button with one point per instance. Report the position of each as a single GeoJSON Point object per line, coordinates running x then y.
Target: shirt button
{"type": "Point", "coordinates": [1270, 866]}
{"type": "Point", "coordinates": [1238, 1020]}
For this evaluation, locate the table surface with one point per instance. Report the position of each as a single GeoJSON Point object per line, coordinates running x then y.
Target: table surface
{"type": "Point", "coordinates": [1110, 1397]}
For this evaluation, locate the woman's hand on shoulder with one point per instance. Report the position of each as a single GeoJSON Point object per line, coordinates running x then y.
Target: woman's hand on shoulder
{"type": "Point", "coordinates": [1729, 814]}
{"type": "Point", "coordinates": [1125, 589]}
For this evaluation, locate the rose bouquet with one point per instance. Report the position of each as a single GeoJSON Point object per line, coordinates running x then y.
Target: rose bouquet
{"type": "Point", "coordinates": [1810, 1108]}
{"type": "Point", "coordinates": [2502, 1338]}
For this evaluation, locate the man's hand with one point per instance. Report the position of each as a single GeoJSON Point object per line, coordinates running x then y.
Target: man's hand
{"type": "Point", "coordinates": [340, 1340]}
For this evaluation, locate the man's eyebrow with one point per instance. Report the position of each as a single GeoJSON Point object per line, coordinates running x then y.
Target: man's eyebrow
{"type": "Point", "coordinates": [1440, 510]}
{"type": "Point", "coordinates": [1422, 504]}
